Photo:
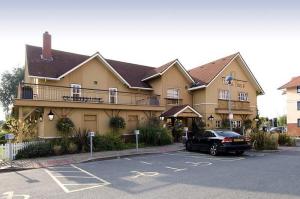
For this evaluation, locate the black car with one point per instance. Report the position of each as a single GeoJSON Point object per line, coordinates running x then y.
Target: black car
{"type": "Point", "coordinates": [217, 141]}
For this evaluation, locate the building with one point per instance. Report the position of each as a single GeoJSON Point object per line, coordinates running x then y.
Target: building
{"type": "Point", "coordinates": [91, 89]}
{"type": "Point", "coordinates": [292, 92]}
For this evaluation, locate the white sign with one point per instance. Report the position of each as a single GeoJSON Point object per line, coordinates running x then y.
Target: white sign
{"type": "Point", "coordinates": [92, 134]}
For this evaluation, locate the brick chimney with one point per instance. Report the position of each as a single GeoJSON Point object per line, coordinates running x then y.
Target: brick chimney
{"type": "Point", "coordinates": [47, 52]}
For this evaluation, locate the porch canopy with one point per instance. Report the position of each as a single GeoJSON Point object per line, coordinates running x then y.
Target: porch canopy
{"type": "Point", "coordinates": [183, 111]}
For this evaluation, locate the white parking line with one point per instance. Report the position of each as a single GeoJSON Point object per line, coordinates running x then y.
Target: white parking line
{"type": "Point", "coordinates": [175, 169]}
{"type": "Point", "coordinates": [64, 186]}
{"type": "Point", "coordinates": [143, 162]}
{"type": "Point", "coordinates": [195, 164]}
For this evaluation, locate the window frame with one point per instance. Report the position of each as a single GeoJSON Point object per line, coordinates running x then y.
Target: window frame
{"type": "Point", "coordinates": [224, 94]}
{"type": "Point", "coordinates": [298, 89]}
{"type": "Point", "coordinates": [115, 96]}
{"type": "Point", "coordinates": [174, 96]}
{"type": "Point", "coordinates": [243, 96]}
{"type": "Point", "coordinates": [218, 124]}
{"type": "Point", "coordinates": [298, 122]}
{"type": "Point", "coordinates": [298, 105]}
{"type": "Point", "coordinates": [75, 86]}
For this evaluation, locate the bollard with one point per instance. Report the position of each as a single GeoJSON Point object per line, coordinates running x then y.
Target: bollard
{"type": "Point", "coordinates": [137, 132]}
{"type": "Point", "coordinates": [91, 135]}
{"type": "Point", "coordinates": [10, 137]}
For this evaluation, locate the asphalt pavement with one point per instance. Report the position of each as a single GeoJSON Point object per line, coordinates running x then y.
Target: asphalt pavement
{"type": "Point", "coordinates": [166, 175]}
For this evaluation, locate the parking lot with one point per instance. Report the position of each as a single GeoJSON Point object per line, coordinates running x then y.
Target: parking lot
{"type": "Point", "coordinates": [168, 175]}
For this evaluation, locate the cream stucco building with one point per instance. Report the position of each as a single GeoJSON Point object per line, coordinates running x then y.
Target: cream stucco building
{"type": "Point", "coordinates": [91, 89]}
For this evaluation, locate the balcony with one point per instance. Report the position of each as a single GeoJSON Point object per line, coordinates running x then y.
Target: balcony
{"type": "Point", "coordinates": [236, 106]}
{"type": "Point", "coordinates": [45, 94]}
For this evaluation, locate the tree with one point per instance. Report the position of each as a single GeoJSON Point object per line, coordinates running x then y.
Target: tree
{"type": "Point", "coordinates": [281, 120]}
{"type": "Point", "coordinates": [8, 86]}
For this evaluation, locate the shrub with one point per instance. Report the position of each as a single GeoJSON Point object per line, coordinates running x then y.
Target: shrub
{"type": "Point", "coordinates": [72, 147]}
{"type": "Point", "coordinates": [155, 135]}
{"type": "Point", "coordinates": [65, 126]}
{"type": "Point", "coordinates": [81, 139]}
{"type": "Point", "coordinates": [107, 142]}
{"type": "Point", "coordinates": [57, 149]}
{"type": "Point", "coordinates": [35, 150]}
{"type": "Point", "coordinates": [248, 124]}
{"type": "Point", "coordinates": [117, 123]}
{"type": "Point", "coordinates": [264, 141]}
{"type": "Point", "coordinates": [286, 140]}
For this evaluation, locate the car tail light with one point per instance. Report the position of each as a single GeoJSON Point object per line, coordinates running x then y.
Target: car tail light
{"type": "Point", "coordinates": [226, 139]}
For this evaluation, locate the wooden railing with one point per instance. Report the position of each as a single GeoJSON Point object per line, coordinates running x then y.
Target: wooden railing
{"type": "Point", "coordinates": [235, 105]}
{"type": "Point", "coordinates": [84, 95]}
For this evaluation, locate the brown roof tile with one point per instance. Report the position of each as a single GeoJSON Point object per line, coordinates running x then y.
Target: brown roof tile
{"type": "Point", "coordinates": [172, 111]}
{"type": "Point", "coordinates": [206, 73]}
{"type": "Point", "coordinates": [295, 81]}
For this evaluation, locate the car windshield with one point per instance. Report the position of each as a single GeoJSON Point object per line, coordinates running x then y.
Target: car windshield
{"type": "Point", "coordinates": [227, 133]}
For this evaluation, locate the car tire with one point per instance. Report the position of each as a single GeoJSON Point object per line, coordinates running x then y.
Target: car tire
{"type": "Point", "coordinates": [188, 146]}
{"type": "Point", "coordinates": [239, 152]}
{"type": "Point", "coordinates": [213, 150]}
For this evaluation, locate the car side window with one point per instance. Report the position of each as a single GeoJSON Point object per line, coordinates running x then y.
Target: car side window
{"type": "Point", "coordinates": [208, 134]}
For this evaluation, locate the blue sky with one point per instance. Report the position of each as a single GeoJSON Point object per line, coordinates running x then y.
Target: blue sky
{"type": "Point", "coordinates": [154, 32]}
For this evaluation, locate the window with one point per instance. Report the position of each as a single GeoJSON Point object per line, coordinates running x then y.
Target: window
{"type": "Point", "coordinates": [75, 90]}
{"type": "Point", "coordinates": [298, 105]}
{"type": "Point", "coordinates": [173, 93]}
{"type": "Point", "coordinates": [243, 96]}
{"type": "Point", "coordinates": [218, 123]}
{"type": "Point", "coordinates": [234, 124]}
{"type": "Point", "coordinates": [298, 89]}
{"type": "Point", "coordinates": [113, 95]}
{"type": "Point", "coordinates": [238, 124]}
{"type": "Point", "coordinates": [173, 96]}
{"type": "Point", "coordinates": [298, 122]}
{"type": "Point", "coordinates": [224, 94]}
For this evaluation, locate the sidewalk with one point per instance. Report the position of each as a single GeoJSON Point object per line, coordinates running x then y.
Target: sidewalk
{"type": "Point", "coordinates": [85, 157]}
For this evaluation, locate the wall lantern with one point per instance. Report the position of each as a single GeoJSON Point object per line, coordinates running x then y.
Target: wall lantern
{"type": "Point", "coordinates": [41, 118]}
{"type": "Point", "coordinates": [50, 115]}
{"type": "Point", "coordinates": [211, 118]}
{"type": "Point", "coordinates": [161, 118]}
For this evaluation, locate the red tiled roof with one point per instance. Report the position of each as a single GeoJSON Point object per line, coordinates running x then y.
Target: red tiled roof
{"type": "Point", "coordinates": [295, 81]}
{"type": "Point", "coordinates": [206, 73]}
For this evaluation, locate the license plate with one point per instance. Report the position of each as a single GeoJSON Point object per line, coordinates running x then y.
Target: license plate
{"type": "Point", "coordinates": [238, 140]}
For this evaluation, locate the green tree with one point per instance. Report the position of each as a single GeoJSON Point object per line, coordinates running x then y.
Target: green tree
{"type": "Point", "coordinates": [281, 120]}
{"type": "Point", "coordinates": [8, 86]}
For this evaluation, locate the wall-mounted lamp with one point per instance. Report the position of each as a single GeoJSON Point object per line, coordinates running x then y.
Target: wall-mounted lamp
{"type": "Point", "coordinates": [211, 118]}
{"type": "Point", "coordinates": [161, 118]}
{"type": "Point", "coordinates": [41, 118]}
{"type": "Point", "coordinates": [50, 115]}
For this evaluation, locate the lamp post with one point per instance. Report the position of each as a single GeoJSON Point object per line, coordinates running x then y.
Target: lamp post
{"type": "Point", "coordinates": [228, 80]}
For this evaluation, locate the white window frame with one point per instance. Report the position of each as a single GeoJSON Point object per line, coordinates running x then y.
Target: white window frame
{"type": "Point", "coordinates": [218, 123]}
{"type": "Point", "coordinates": [224, 94]}
{"type": "Point", "coordinates": [234, 123]}
{"type": "Point", "coordinates": [115, 95]}
{"type": "Point", "coordinates": [76, 86]}
{"type": "Point", "coordinates": [173, 94]}
{"type": "Point", "coordinates": [238, 124]}
{"type": "Point", "coordinates": [243, 96]}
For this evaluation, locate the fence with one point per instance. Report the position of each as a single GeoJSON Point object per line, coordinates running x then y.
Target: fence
{"type": "Point", "coordinates": [4, 148]}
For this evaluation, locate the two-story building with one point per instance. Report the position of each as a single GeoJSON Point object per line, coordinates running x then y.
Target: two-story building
{"type": "Point", "coordinates": [292, 92]}
{"type": "Point", "coordinates": [91, 89]}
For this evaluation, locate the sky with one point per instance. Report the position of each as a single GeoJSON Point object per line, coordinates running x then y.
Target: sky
{"type": "Point", "coordinates": [265, 32]}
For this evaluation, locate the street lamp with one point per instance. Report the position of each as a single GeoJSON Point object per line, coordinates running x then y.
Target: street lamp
{"type": "Point", "coordinates": [228, 80]}
{"type": "Point", "coordinates": [50, 115]}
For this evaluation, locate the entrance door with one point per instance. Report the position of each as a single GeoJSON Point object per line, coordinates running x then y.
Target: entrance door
{"type": "Point", "coordinates": [90, 122]}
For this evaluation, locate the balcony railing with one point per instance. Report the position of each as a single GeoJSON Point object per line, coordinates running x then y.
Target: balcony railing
{"type": "Point", "coordinates": [235, 105]}
{"type": "Point", "coordinates": [84, 95]}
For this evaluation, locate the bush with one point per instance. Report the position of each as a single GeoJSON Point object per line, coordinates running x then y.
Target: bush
{"type": "Point", "coordinates": [72, 147]}
{"type": "Point", "coordinates": [2, 138]}
{"type": "Point", "coordinates": [117, 123]}
{"type": "Point", "coordinates": [81, 139]}
{"type": "Point", "coordinates": [107, 142]}
{"type": "Point", "coordinates": [155, 135]}
{"type": "Point", "coordinates": [35, 150]}
{"type": "Point", "coordinates": [65, 126]}
{"type": "Point", "coordinates": [286, 140]}
{"type": "Point", "coordinates": [264, 141]}
{"type": "Point", "coordinates": [57, 149]}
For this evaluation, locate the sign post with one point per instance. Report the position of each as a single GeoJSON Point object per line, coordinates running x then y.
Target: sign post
{"type": "Point", "coordinates": [10, 137]}
{"type": "Point", "coordinates": [91, 135]}
{"type": "Point", "coordinates": [137, 132]}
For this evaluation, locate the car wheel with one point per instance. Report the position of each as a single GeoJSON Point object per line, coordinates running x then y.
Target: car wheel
{"type": "Point", "coordinates": [213, 150]}
{"type": "Point", "coordinates": [188, 145]}
{"type": "Point", "coordinates": [239, 152]}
